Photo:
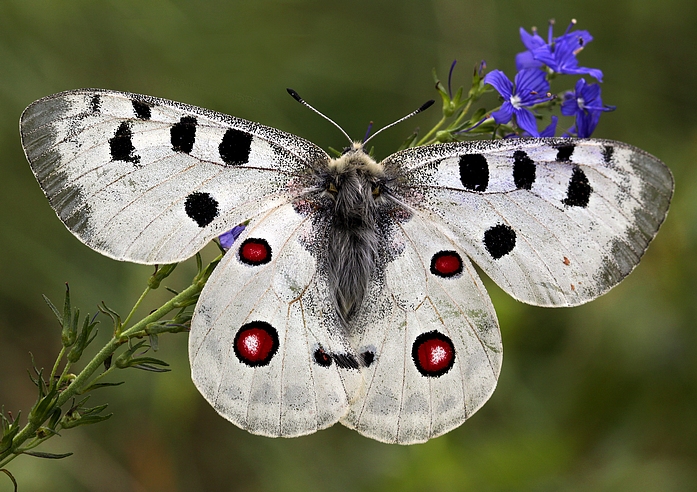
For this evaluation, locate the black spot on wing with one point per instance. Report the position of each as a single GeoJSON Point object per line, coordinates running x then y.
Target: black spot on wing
{"type": "Point", "coordinates": [564, 152]}
{"type": "Point", "coordinates": [579, 191]}
{"type": "Point", "coordinates": [523, 170]}
{"type": "Point", "coordinates": [345, 361]}
{"type": "Point", "coordinates": [322, 357]}
{"type": "Point", "coordinates": [608, 152]}
{"type": "Point", "coordinates": [95, 103]}
{"type": "Point", "coordinates": [368, 357]}
{"type": "Point", "coordinates": [141, 109]}
{"type": "Point", "coordinates": [474, 172]}
{"type": "Point", "coordinates": [235, 146]}
{"type": "Point", "coordinates": [499, 240]}
{"type": "Point", "coordinates": [121, 145]}
{"type": "Point", "coordinates": [183, 134]}
{"type": "Point", "coordinates": [202, 208]}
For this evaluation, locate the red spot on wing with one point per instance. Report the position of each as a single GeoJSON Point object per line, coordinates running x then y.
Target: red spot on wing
{"type": "Point", "coordinates": [255, 251]}
{"type": "Point", "coordinates": [256, 343]}
{"type": "Point", "coordinates": [446, 264]}
{"type": "Point", "coordinates": [433, 354]}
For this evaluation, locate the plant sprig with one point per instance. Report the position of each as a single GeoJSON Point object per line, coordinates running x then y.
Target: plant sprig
{"type": "Point", "coordinates": [52, 412]}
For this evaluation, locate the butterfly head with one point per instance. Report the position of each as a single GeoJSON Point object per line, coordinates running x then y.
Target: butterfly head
{"type": "Point", "coordinates": [354, 172]}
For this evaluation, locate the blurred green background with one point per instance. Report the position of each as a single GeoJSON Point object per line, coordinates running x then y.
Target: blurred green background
{"type": "Point", "coordinates": [599, 397]}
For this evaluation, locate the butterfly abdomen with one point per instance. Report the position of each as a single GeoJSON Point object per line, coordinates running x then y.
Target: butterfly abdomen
{"type": "Point", "coordinates": [353, 183]}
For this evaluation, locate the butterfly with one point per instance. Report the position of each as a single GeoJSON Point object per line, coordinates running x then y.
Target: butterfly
{"type": "Point", "coordinates": [350, 296]}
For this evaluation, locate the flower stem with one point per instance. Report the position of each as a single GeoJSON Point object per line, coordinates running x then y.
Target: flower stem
{"type": "Point", "coordinates": [432, 132]}
{"type": "Point", "coordinates": [56, 364]}
{"type": "Point", "coordinates": [135, 306]}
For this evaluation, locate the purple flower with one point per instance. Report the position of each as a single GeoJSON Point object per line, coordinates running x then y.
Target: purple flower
{"type": "Point", "coordinates": [531, 87]}
{"type": "Point", "coordinates": [228, 238]}
{"type": "Point", "coordinates": [586, 105]}
{"type": "Point", "coordinates": [558, 54]}
{"type": "Point", "coordinates": [531, 42]}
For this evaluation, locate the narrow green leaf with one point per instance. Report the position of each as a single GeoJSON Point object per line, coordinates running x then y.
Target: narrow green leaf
{"type": "Point", "coordinates": [83, 339]}
{"type": "Point", "coordinates": [54, 418]}
{"type": "Point", "coordinates": [146, 367]}
{"type": "Point", "coordinates": [54, 309]}
{"type": "Point", "coordinates": [66, 307]}
{"type": "Point", "coordinates": [153, 341]}
{"type": "Point", "coordinates": [87, 420]}
{"type": "Point", "coordinates": [115, 318]}
{"type": "Point", "coordinates": [7, 437]}
{"type": "Point", "coordinates": [51, 456]}
{"type": "Point", "coordinates": [100, 385]}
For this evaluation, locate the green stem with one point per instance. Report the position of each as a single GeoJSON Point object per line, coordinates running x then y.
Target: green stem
{"type": "Point", "coordinates": [7, 460]}
{"type": "Point", "coordinates": [102, 375]}
{"type": "Point", "coordinates": [432, 132]}
{"type": "Point", "coordinates": [135, 306]}
{"type": "Point", "coordinates": [55, 366]}
{"type": "Point", "coordinates": [462, 114]}
{"type": "Point", "coordinates": [65, 372]}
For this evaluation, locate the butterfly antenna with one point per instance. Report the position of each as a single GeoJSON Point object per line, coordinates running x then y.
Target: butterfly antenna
{"type": "Point", "coordinates": [423, 107]}
{"type": "Point", "coordinates": [302, 101]}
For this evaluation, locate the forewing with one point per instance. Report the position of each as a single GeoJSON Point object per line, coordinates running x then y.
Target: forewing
{"type": "Point", "coordinates": [554, 222]}
{"type": "Point", "coordinates": [263, 348]}
{"type": "Point", "coordinates": [433, 333]}
{"type": "Point", "coordinates": [150, 180]}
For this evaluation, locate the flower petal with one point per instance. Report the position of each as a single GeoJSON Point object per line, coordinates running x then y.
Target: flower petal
{"type": "Point", "coordinates": [526, 121]}
{"type": "Point", "coordinates": [590, 94]}
{"type": "Point", "coordinates": [500, 82]}
{"type": "Point", "coordinates": [545, 56]}
{"type": "Point", "coordinates": [569, 105]}
{"type": "Point", "coordinates": [531, 86]}
{"type": "Point", "coordinates": [504, 114]}
{"type": "Point", "coordinates": [574, 70]}
{"type": "Point", "coordinates": [531, 41]}
{"type": "Point", "coordinates": [526, 60]}
{"type": "Point", "coordinates": [586, 121]}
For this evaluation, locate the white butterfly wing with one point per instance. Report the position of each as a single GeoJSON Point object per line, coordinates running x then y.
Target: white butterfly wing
{"type": "Point", "coordinates": [554, 222]}
{"type": "Point", "coordinates": [435, 338]}
{"type": "Point", "coordinates": [262, 347]}
{"type": "Point", "coordinates": [149, 180]}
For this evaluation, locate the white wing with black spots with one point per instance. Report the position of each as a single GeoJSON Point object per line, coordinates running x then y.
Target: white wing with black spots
{"type": "Point", "coordinates": [554, 222]}
{"type": "Point", "coordinates": [152, 181]}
